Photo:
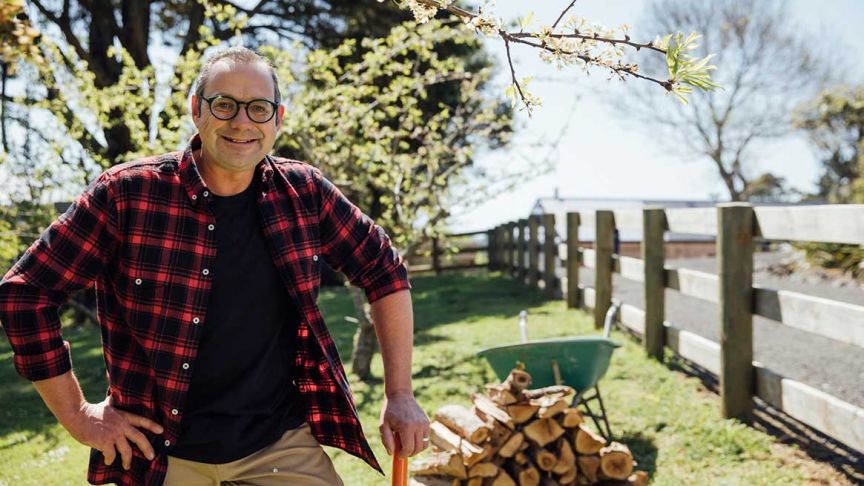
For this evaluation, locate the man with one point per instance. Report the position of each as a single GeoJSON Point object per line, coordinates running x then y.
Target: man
{"type": "Point", "coordinates": [206, 265]}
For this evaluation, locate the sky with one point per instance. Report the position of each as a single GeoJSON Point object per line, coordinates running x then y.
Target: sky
{"type": "Point", "coordinates": [638, 167]}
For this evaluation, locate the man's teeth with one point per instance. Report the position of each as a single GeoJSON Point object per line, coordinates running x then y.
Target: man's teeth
{"type": "Point", "coordinates": [235, 140]}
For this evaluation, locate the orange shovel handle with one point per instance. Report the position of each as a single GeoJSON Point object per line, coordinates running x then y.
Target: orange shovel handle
{"type": "Point", "coordinates": [400, 465]}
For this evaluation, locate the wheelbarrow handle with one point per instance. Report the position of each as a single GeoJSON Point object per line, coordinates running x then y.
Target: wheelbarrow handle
{"type": "Point", "coordinates": [400, 464]}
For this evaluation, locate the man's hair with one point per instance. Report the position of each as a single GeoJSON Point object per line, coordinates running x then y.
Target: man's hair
{"type": "Point", "coordinates": [236, 55]}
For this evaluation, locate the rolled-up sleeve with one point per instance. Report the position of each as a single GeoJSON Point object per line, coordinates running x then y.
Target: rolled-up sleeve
{"type": "Point", "coordinates": [68, 256]}
{"type": "Point", "coordinates": [353, 244]}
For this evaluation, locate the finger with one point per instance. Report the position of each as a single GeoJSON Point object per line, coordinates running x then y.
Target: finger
{"type": "Point", "coordinates": [109, 454]}
{"type": "Point", "coordinates": [141, 441]}
{"type": "Point", "coordinates": [125, 451]}
{"type": "Point", "coordinates": [387, 438]}
{"type": "Point", "coordinates": [409, 443]}
{"type": "Point", "coordinates": [424, 440]}
{"type": "Point", "coordinates": [139, 421]}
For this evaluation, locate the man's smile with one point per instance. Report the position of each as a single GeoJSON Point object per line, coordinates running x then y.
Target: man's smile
{"type": "Point", "coordinates": [239, 140]}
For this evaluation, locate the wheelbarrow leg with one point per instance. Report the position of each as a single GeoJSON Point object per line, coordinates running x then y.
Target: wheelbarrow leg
{"type": "Point", "coordinates": [603, 413]}
{"type": "Point", "coordinates": [580, 399]}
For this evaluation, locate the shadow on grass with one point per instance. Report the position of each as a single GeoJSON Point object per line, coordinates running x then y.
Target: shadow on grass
{"type": "Point", "coordinates": [786, 429]}
{"type": "Point", "coordinates": [438, 301]}
{"type": "Point", "coordinates": [644, 451]}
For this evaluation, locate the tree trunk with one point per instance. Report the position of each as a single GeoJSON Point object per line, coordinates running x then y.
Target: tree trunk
{"type": "Point", "coordinates": [364, 340]}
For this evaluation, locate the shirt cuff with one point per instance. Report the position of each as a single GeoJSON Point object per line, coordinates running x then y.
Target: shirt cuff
{"type": "Point", "coordinates": [36, 367]}
{"type": "Point", "coordinates": [388, 286]}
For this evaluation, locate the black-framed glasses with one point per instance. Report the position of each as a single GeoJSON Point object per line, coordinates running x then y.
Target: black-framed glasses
{"type": "Point", "coordinates": [225, 108]}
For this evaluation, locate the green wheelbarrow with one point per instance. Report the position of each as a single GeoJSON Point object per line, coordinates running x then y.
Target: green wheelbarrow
{"type": "Point", "coordinates": [578, 362]}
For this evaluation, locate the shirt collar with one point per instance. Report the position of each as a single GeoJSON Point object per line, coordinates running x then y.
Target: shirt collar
{"type": "Point", "coordinates": [196, 188]}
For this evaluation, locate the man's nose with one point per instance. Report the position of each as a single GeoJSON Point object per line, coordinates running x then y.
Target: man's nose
{"type": "Point", "coordinates": [242, 117]}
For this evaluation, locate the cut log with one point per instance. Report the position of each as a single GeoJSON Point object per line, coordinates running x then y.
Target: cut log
{"type": "Point", "coordinates": [475, 482]}
{"type": "Point", "coordinates": [527, 476]}
{"type": "Point", "coordinates": [511, 447]}
{"type": "Point", "coordinates": [500, 394]}
{"type": "Point", "coordinates": [551, 408]}
{"type": "Point", "coordinates": [471, 454]}
{"type": "Point", "coordinates": [502, 479]}
{"type": "Point", "coordinates": [442, 463]}
{"type": "Point", "coordinates": [522, 412]}
{"type": "Point", "coordinates": [520, 458]}
{"type": "Point", "coordinates": [639, 478]}
{"type": "Point", "coordinates": [566, 458]}
{"type": "Point", "coordinates": [572, 418]}
{"type": "Point", "coordinates": [587, 441]}
{"type": "Point", "coordinates": [483, 470]}
{"type": "Point", "coordinates": [549, 390]}
{"type": "Point", "coordinates": [588, 466]}
{"type": "Point", "coordinates": [517, 381]}
{"type": "Point", "coordinates": [487, 409]}
{"type": "Point", "coordinates": [569, 477]}
{"type": "Point", "coordinates": [544, 459]}
{"type": "Point", "coordinates": [543, 431]}
{"type": "Point", "coordinates": [444, 438]}
{"type": "Point", "coordinates": [447, 440]}
{"type": "Point", "coordinates": [616, 461]}
{"type": "Point", "coordinates": [498, 432]}
{"type": "Point", "coordinates": [462, 421]}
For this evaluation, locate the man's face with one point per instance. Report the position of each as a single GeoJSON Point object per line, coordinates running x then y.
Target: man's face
{"type": "Point", "coordinates": [238, 144]}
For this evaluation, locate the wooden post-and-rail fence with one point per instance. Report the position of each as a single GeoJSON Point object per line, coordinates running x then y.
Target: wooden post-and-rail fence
{"type": "Point", "coordinates": [516, 249]}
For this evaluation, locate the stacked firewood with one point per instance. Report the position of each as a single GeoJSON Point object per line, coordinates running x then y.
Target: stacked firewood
{"type": "Point", "coordinates": [517, 436]}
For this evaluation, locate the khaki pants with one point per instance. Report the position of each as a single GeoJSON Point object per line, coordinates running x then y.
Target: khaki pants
{"type": "Point", "coordinates": [295, 459]}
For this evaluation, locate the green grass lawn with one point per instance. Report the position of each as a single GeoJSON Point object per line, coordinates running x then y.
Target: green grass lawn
{"type": "Point", "coordinates": [671, 424]}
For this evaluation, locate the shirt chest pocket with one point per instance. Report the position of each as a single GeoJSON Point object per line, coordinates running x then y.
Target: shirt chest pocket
{"type": "Point", "coordinates": [140, 285]}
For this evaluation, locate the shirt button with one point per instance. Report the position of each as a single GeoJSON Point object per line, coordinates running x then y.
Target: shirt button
{"type": "Point", "coordinates": [206, 193]}
{"type": "Point", "coordinates": [196, 320]}
{"type": "Point", "coordinates": [138, 281]}
{"type": "Point", "coordinates": [185, 366]}
{"type": "Point", "coordinates": [194, 197]}
{"type": "Point", "coordinates": [315, 257]}
{"type": "Point", "coordinates": [205, 272]}
{"type": "Point", "coordinates": [211, 227]}
{"type": "Point", "coordinates": [167, 443]}
{"type": "Point", "coordinates": [174, 411]}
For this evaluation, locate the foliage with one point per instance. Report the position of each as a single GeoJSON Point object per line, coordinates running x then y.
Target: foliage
{"type": "Point", "coordinates": [363, 115]}
{"type": "Point", "coordinates": [582, 43]}
{"type": "Point", "coordinates": [835, 123]}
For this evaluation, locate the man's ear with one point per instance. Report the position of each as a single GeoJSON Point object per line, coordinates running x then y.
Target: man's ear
{"type": "Point", "coordinates": [195, 109]}
{"type": "Point", "coordinates": [279, 114]}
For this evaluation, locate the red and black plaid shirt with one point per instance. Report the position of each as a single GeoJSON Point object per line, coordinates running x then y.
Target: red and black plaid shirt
{"type": "Point", "coordinates": [143, 233]}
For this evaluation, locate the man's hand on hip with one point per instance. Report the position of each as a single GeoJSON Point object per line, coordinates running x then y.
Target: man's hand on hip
{"type": "Point", "coordinates": [110, 430]}
{"type": "Point", "coordinates": [402, 415]}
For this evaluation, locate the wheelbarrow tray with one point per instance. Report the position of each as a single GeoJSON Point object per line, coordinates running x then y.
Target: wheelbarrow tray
{"type": "Point", "coordinates": [581, 360]}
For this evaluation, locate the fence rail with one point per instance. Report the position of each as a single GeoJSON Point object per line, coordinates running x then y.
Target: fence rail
{"type": "Point", "coordinates": [517, 248]}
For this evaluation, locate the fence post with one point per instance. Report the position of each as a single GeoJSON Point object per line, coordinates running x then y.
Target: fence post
{"type": "Point", "coordinates": [603, 243]}
{"type": "Point", "coordinates": [508, 248]}
{"type": "Point", "coordinates": [490, 243]}
{"type": "Point", "coordinates": [550, 260]}
{"type": "Point", "coordinates": [502, 249]}
{"type": "Point", "coordinates": [521, 249]}
{"type": "Point", "coordinates": [533, 249]}
{"type": "Point", "coordinates": [574, 297]}
{"type": "Point", "coordinates": [735, 223]}
{"type": "Point", "coordinates": [436, 257]}
{"type": "Point", "coordinates": [653, 258]}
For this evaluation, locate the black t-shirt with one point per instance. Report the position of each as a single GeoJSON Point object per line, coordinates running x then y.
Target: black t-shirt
{"type": "Point", "coordinates": [241, 398]}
